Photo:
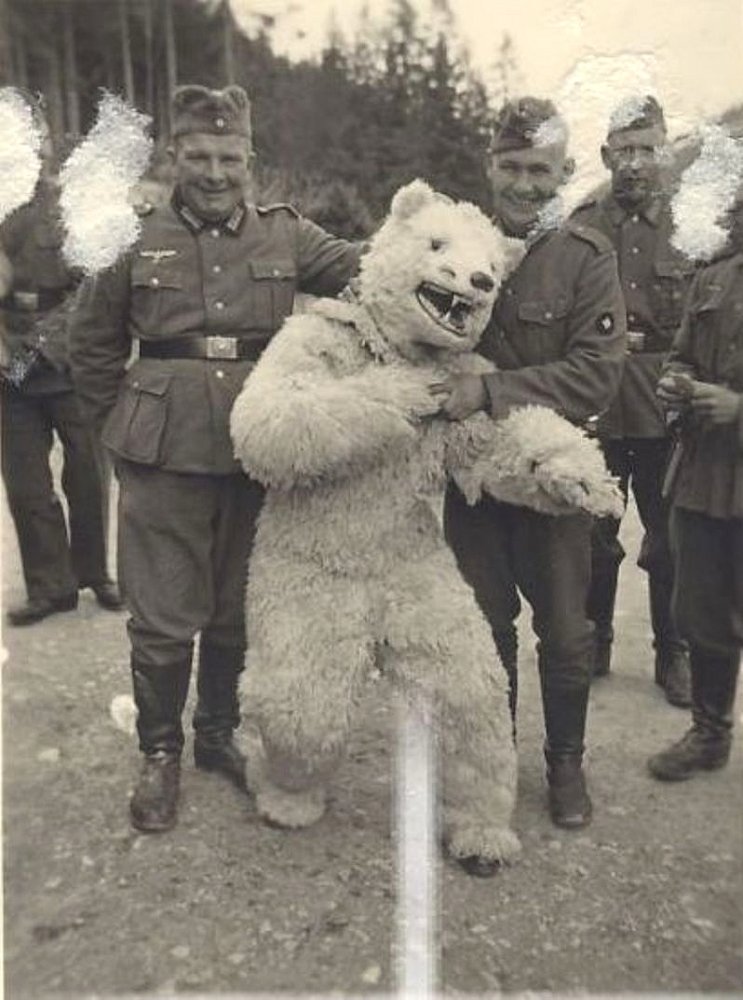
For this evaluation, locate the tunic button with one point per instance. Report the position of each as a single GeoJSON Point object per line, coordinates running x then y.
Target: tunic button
{"type": "Point", "coordinates": [219, 305]}
{"type": "Point", "coordinates": [633, 284]}
{"type": "Point", "coordinates": [635, 249]}
{"type": "Point", "coordinates": [275, 272]}
{"type": "Point", "coordinates": [215, 233]}
{"type": "Point", "coordinates": [219, 373]}
{"type": "Point", "coordinates": [635, 218]}
{"type": "Point", "coordinates": [217, 269]}
{"type": "Point", "coordinates": [548, 315]}
{"type": "Point", "coordinates": [155, 282]}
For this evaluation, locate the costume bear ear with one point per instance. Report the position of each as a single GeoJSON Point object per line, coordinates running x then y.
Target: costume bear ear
{"type": "Point", "coordinates": [411, 199]}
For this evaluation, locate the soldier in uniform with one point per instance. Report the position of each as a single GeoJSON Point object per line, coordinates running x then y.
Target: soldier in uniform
{"type": "Point", "coordinates": [38, 399]}
{"type": "Point", "coordinates": [209, 282]}
{"type": "Point", "coordinates": [703, 382]}
{"type": "Point", "coordinates": [557, 336]}
{"type": "Point", "coordinates": [635, 215]}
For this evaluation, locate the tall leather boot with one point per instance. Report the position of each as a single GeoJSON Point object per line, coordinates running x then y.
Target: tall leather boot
{"type": "Point", "coordinates": [159, 693]}
{"type": "Point", "coordinates": [507, 644]}
{"type": "Point", "coordinates": [565, 708]}
{"type": "Point", "coordinates": [706, 745]}
{"type": "Point", "coordinates": [217, 712]}
{"type": "Point", "coordinates": [606, 557]}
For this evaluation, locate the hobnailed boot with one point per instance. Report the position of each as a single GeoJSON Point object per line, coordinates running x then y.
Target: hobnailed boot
{"type": "Point", "coordinates": [160, 694]}
{"type": "Point", "coordinates": [565, 709]}
{"type": "Point", "coordinates": [217, 712]}
{"type": "Point", "coordinates": [706, 746]}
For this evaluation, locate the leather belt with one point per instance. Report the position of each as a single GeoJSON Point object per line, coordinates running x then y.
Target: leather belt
{"type": "Point", "coordinates": [34, 301]}
{"type": "Point", "coordinates": [209, 348]}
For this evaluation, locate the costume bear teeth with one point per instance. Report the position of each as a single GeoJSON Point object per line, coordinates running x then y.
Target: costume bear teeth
{"type": "Point", "coordinates": [446, 308]}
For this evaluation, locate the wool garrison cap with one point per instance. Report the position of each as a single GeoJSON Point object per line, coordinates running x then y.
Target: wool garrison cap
{"type": "Point", "coordinates": [637, 112]}
{"type": "Point", "coordinates": [217, 112]}
{"type": "Point", "coordinates": [528, 121]}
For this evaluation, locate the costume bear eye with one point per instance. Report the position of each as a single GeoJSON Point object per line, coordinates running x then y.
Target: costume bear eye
{"type": "Point", "coordinates": [437, 244]}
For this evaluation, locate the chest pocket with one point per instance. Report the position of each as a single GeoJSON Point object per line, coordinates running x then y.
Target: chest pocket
{"type": "Point", "coordinates": [541, 328]}
{"type": "Point", "coordinates": [155, 289]}
{"type": "Point", "coordinates": [273, 285]}
{"type": "Point", "coordinates": [668, 291]}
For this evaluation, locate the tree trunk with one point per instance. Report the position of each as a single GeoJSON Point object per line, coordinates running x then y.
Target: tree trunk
{"type": "Point", "coordinates": [228, 42]}
{"type": "Point", "coordinates": [70, 73]}
{"type": "Point", "coordinates": [6, 49]}
{"type": "Point", "coordinates": [126, 51]}
{"type": "Point", "coordinates": [171, 65]}
{"type": "Point", "coordinates": [149, 85]}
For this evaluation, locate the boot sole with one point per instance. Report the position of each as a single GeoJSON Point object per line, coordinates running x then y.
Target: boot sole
{"type": "Point", "coordinates": [685, 775]}
{"type": "Point", "coordinates": [152, 827]}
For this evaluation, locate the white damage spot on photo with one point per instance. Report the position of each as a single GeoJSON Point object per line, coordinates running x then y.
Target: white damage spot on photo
{"type": "Point", "coordinates": [100, 223]}
{"type": "Point", "coordinates": [20, 163]}
{"type": "Point", "coordinates": [706, 192]}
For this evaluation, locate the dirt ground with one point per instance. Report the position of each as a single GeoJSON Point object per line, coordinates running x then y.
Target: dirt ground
{"type": "Point", "coordinates": [648, 898]}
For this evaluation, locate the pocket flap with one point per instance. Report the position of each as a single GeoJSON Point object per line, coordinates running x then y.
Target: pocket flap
{"type": "Point", "coordinates": [670, 269]}
{"type": "Point", "coordinates": [709, 300]}
{"type": "Point", "coordinates": [543, 311]}
{"type": "Point", "coordinates": [147, 273]}
{"type": "Point", "coordinates": [153, 383]}
{"type": "Point", "coordinates": [273, 269]}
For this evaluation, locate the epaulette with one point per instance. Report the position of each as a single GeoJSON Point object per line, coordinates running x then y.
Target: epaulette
{"type": "Point", "coordinates": [583, 206]}
{"type": "Point", "coordinates": [596, 239]}
{"type": "Point", "coordinates": [279, 206]}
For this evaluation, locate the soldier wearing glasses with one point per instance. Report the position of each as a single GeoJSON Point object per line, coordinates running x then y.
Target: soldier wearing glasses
{"type": "Point", "coordinates": [202, 292]}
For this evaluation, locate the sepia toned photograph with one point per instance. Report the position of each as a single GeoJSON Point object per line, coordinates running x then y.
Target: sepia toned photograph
{"type": "Point", "coordinates": [371, 387]}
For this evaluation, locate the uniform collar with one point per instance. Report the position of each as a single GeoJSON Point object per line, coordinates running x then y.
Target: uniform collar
{"type": "Point", "coordinates": [231, 225]}
{"type": "Point", "coordinates": [651, 212]}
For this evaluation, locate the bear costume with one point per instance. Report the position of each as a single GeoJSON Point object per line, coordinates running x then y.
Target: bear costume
{"type": "Point", "coordinates": [341, 421]}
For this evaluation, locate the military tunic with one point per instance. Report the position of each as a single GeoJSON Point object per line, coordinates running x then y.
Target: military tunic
{"type": "Point", "coordinates": [557, 335]}
{"type": "Point", "coordinates": [655, 279]}
{"type": "Point", "coordinates": [37, 401]}
{"type": "Point", "coordinates": [707, 517]}
{"type": "Point", "coordinates": [187, 511]}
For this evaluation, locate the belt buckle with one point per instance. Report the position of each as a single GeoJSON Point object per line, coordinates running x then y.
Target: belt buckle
{"type": "Point", "coordinates": [221, 348]}
{"type": "Point", "coordinates": [635, 341]}
{"type": "Point", "coordinates": [26, 301]}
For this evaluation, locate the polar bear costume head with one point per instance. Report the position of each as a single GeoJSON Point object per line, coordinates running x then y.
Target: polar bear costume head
{"type": "Point", "coordinates": [433, 271]}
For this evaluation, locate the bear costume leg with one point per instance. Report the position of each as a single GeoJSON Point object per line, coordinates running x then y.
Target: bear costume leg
{"type": "Point", "coordinates": [310, 649]}
{"type": "Point", "coordinates": [440, 652]}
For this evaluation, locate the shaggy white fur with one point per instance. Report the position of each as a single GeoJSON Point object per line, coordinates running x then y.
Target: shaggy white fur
{"type": "Point", "coordinates": [350, 569]}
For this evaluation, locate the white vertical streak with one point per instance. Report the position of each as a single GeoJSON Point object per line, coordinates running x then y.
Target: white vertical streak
{"type": "Point", "coordinates": [417, 856]}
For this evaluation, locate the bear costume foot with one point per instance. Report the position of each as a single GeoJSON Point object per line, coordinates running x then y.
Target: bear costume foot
{"type": "Point", "coordinates": [290, 810]}
{"type": "Point", "coordinates": [481, 851]}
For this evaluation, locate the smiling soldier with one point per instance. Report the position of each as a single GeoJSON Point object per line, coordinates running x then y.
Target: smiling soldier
{"type": "Point", "coordinates": [210, 281]}
{"type": "Point", "coordinates": [557, 337]}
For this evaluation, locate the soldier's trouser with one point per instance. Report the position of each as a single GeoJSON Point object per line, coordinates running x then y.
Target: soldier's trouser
{"type": "Point", "coordinates": [638, 463]}
{"type": "Point", "coordinates": [502, 549]}
{"type": "Point", "coordinates": [53, 566]}
{"type": "Point", "coordinates": [708, 594]}
{"type": "Point", "coordinates": [184, 541]}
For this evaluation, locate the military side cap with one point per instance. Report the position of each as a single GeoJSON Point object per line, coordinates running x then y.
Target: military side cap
{"type": "Point", "coordinates": [216, 112]}
{"type": "Point", "coordinates": [528, 121]}
{"type": "Point", "coordinates": [637, 112]}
